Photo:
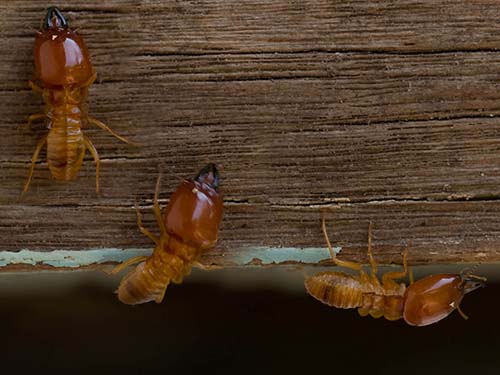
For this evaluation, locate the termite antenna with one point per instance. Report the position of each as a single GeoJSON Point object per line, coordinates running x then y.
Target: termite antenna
{"type": "Point", "coordinates": [54, 19]}
{"type": "Point", "coordinates": [469, 270]}
{"type": "Point", "coordinates": [209, 175]}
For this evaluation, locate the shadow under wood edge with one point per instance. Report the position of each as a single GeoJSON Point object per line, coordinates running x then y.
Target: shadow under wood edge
{"type": "Point", "coordinates": [225, 321]}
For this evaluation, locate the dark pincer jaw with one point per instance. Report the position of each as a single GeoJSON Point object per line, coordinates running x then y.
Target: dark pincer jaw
{"type": "Point", "coordinates": [54, 19]}
{"type": "Point", "coordinates": [473, 282]}
{"type": "Point", "coordinates": [208, 175]}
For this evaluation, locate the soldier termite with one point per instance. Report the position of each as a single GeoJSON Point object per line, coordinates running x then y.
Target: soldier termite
{"type": "Point", "coordinates": [63, 72]}
{"type": "Point", "coordinates": [188, 228]}
{"type": "Point", "coordinates": [423, 302]}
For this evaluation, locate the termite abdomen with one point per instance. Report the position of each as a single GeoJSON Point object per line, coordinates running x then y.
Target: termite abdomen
{"type": "Point", "coordinates": [336, 289]}
{"type": "Point", "coordinates": [344, 291]}
{"type": "Point", "coordinates": [424, 302]}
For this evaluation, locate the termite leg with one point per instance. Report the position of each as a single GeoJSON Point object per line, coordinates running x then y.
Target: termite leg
{"type": "Point", "coordinates": [127, 263]}
{"type": "Point", "coordinates": [143, 230]}
{"type": "Point", "coordinates": [34, 158]}
{"type": "Point", "coordinates": [373, 264]}
{"type": "Point", "coordinates": [95, 155]}
{"type": "Point", "coordinates": [108, 129]}
{"type": "Point", "coordinates": [157, 210]}
{"type": "Point", "coordinates": [338, 262]}
{"type": "Point", "coordinates": [35, 87]}
{"type": "Point", "coordinates": [35, 117]}
{"type": "Point", "coordinates": [91, 80]}
{"type": "Point", "coordinates": [206, 267]}
{"type": "Point", "coordinates": [388, 278]}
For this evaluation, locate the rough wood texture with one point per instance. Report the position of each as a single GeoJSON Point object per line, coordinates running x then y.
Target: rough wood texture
{"type": "Point", "coordinates": [384, 111]}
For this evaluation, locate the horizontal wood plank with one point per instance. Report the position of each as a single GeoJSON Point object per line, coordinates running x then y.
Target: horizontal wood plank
{"type": "Point", "coordinates": [433, 231]}
{"type": "Point", "coordinates": [159, 27]}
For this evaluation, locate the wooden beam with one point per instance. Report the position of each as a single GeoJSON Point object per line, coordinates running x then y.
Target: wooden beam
{"type": "Point", "coordinates": [385, 112]}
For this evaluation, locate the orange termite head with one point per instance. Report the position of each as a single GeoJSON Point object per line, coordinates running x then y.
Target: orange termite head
{"type": "Point", "coordinates": [434, 297]}
{"type": "Point", "coordinates": [61, 57]}
{"type": "Point", "coordinates": [195, 209]}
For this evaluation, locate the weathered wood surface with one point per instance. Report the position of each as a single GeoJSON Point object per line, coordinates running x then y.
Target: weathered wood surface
{"type": "Point", "coordinates": [384, 111]}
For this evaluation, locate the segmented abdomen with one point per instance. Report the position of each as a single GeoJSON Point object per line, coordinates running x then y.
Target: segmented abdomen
{"type": "Point", "coordinates": [345, 291]}
{"type": "Point", "coordinates": [65, 143]}
{"type": "Point", "coordinates": [335, 289]}
{"type": "Point", "coordinates": [149, 280]}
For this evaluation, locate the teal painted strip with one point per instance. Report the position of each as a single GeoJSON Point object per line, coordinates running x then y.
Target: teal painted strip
{"type": "Point", "coordinates": [74, 259]}
{"type": "Point", "coordinates": [69, 258]}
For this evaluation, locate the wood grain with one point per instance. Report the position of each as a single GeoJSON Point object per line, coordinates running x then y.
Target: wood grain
{"type": "Point", "coordinates": [383, 111]}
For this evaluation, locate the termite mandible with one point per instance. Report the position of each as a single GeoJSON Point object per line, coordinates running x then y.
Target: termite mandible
{"type": "Point", "coordinates": [188, 228]}
{"type": "Point", "coordinates": [63, 72]}
{"type": "Point", "coordinates": [423, 302]}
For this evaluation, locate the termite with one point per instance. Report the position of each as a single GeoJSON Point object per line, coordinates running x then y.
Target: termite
{"type": "Point", "coordinates": [188, 228]}
{"type": "Point", "coordinates": [423, 302]}
{"type": "Point", "coordinates": [63, 72]}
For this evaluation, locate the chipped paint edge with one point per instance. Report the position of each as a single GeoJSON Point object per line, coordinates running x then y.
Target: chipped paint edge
{"type": "Point", "coordinates": [69, 258]}
{"type": "Point", "coordinates": [276, 255]}
{"type": "Point", "coordinates": [75, 258]}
